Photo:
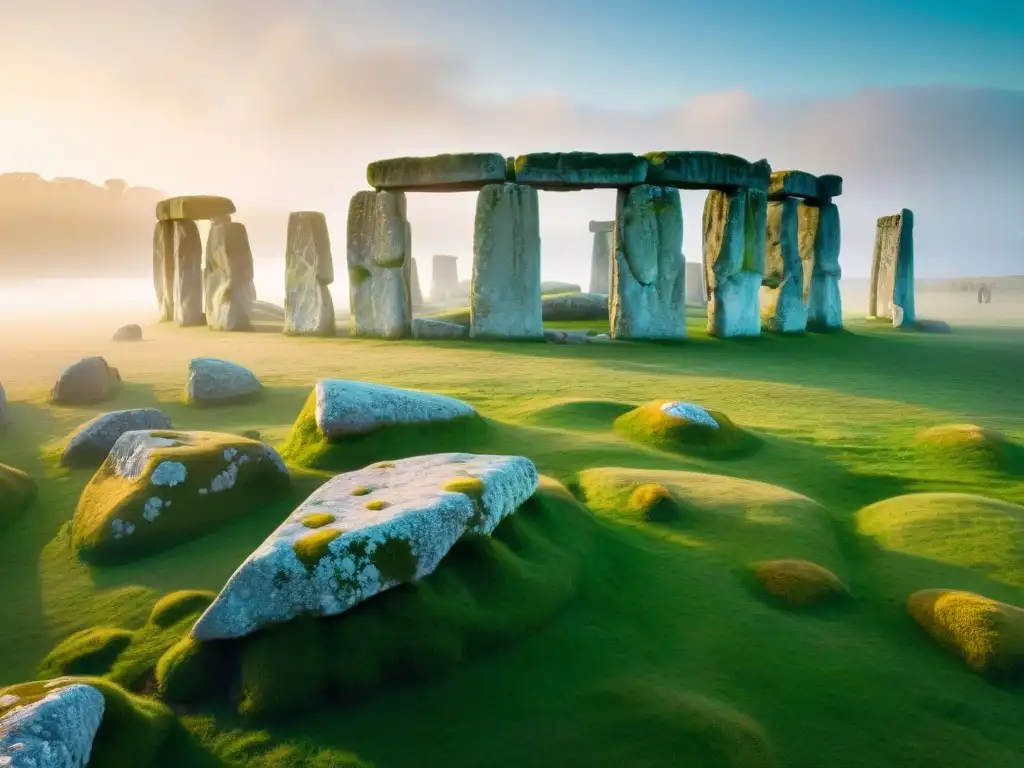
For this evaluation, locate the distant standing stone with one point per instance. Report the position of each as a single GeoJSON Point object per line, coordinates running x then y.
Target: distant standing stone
{"type": "Point", "coordinates": [444, 279]}
{"type": "Point", "coordinates": [90, 380]}
{"type": "Point", "coordinates": [91, 442]}
{"type": "Point", "coordinates": [377, 249]}
{"type": "Point", "coordinates": [228, 280]}
{"type": "Point", "coordinates": [696, 295]}
{"type": "Point", "coordinates": [55, 731]}
{"type": "Point", "coordinates": [218, 382]}
{"type": "Point", "coordinates": [128, 333]}
{"type": "Point", "coordinates": [163, 269]}
{"type": "Point", "coordinates": [309, 270]}
{"type": "Point", "coordinates": [892, 270]}
{"type": "Point", "coordinates": [601, 256]}
{"type": "Point", "coordinates": [188, 274]}
{"type": "Point", "coordinates": [415, 289]}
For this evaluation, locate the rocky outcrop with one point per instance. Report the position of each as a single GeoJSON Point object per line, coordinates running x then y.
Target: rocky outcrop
{"type": "Point", "coordinates": [601, 256]}
{"type": "Point", "coordinates": [892, 270]}
{"type": "Point", "coordinates": [89, 445]}
{"type": "Point", "coordinates": [825, 304]}
{"type": "Point", "coordinates": [364, 532]}
{"type": "Point", "coordinates": [445, 278]}
{"type": "Point", "coordinates": [131, 332]}
{"type": "Point", "coordinates": [506, 298]}
{"type": "Point", "coordinates": [188, 274]}
{"type": "Point", "coordinates": [163, 269]}
{"type": "Point", "coordinates": [427, 328]}
{"type": "Point", "coordinates": [463, 172]}
{"type": "Point", "coordinates": [706, 170]}
{"type": "Point", "coordinates": [194, 208]}
{"type": "Point", "coordinates": [579, 170]}
{"type": "Point", "coordinates": [55, 730]}
{"type": "Point", "coordinates": [309, 271]}
{"type": "Point", "coordinates": [88, 381]}
{"type": "Point", "coordinates": [648, 290]}
{"type": "Point", "coordinates": [785, 288]}
{"type": "Point", "coordinates": [734, 242]}
{"type": "Point", "coordinates": [218, 382]}
{"type": "Point", "coordinates": [377, 250]}
{"type": "Point", "coordinates": [228, 279]}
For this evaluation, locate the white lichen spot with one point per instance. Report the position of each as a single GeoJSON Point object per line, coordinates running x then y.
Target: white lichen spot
{"type": "Point", "coordinates": [169, 473]}
{"type": "Point", "coordinates": [689, 412]}
{"type": "Point", "coordinates": [230, 453]}
{"type": "Point", "coordinates": [225, 479]}
{"type": "Point", "coordinates": [121, 528]}
{"type": "Point", "coordinates": [152, 509]}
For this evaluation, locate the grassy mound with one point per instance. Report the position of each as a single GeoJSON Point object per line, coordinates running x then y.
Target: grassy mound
{"type": "Point", "coordinates": [655, 503]}
{"type": "Point", "coordinates": [798, 583]}
{"type": "Point", "coordinates": [172, 608]}
{"type": "Point", "coordinates": [580, 415]}
{"type": "Point", "coordinates": [17, 492]}
{"type": "Point", "coordinates": [969, 444]}
{"type": "Point", "coordinates": [92, 651]}
{"type": "Point", "coordinates": [307, 446]}
{"type": "Point", "coordinates": [971, 532]}
{"type": "Point", "coordinates": [222, 477]}
{"type": "Point", "coordinates": [987, 635]}
{"type": "Point", "coordinates": [651, 425]}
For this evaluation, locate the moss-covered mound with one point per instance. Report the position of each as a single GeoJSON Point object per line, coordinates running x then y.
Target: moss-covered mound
{"type": "Point", "coordinates": [92, 651]}
{"type": "Point", "coordinates": [987, 635]}
{"type": "Point", "coordinates": [655, 503]}
{"type": "Point", "coordinates": [798, 583]}
{"type": "Point", "coordinates": [686, 428]}
{"type": "Point", "coordinates": [171, 487]}
{"type": "Point", "coordinates": [969, 444]}
{"type": "Point", "coordinates": [17, 492]}
{"type": "Point", "coordinates": [487, 591]}
{"type": "Point", "coordinates": [172, 608]}
{"type": "Point", "coordinates": [973, 532]}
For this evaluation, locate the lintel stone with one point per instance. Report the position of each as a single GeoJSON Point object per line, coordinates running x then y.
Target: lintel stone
{"type": "Point", "coordinates": [464, 172]}
{"type": "Point", "coordinates": [568, 171]}
{"type": "Point", "coordinates": [706, 170]}
{"type": "Point", "coordinates": [194, 208]}
{"type": "Point", "coordinates": [830, 185]}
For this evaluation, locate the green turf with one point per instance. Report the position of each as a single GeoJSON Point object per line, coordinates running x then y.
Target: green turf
{"type": "Point", "coordinates": [665, 656]}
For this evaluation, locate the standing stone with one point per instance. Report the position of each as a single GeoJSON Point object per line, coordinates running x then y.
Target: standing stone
{"type": "Point", "coordinates": [163, 269]}
{"type": "Point", "coordinates": [228, 283]}
{"type": "Point", "coordinates": [188, 274]}
{"type": "Point", "coordinates": [696, 291]}
{"type": "Point", "coordinates": [825, 304]}
{"type": "Point", "coordinates": [445, 278]}
{"type": "Point", "coordinates": [309, 270]}
{"type": "Point", "coordinates": [734, 237]}
{"type": "Point", "coordinates": [377, 242]}
{"type": "Point", "coordinates": [505, 299]}
{"type": "Point", "coordinates": [415, 292]}
{"type": "Point", "coordinates": [601, 256]}
{"type": "Point", "coordinates": [892, 270]}
{"type": "Point", "coordinates": [785, 288]}
{"type": "Point", "coordinates": [648, 291]}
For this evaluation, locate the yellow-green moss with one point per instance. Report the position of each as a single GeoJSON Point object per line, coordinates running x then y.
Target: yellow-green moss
{"type": "Point", "coordinates": [17, 492]}
{"type": "Point", "coordinates": [655, 503]}
{"type": "Point", "coordinates": [470, 486]}
{"type": "Point", "coordinates": [395, 560]}
{"type": "Point", "coordinates": [186, 673]}
{"type": "Point", "coordinates": [649, 424]}
{"type": "Point", "coordinates": [312, 547]}
{"type": "Point", "coordinates": [172, 608]}
{"type": "Point", "coordinates": [377, 505]}
{"type": "Point", "coordinates": [318, 520]}
{"type": "Point", "coordinates": [798, 583]}
{"type": "Point", "coordinates": [362, 490]}
{"type": "Point", "coordinates": [92, 651]}
{"type": "Point", "coordinates": [275, 680]}
{"type": "Point", "coordinates": [383, 465]}
{"type": "Point", "coordinates": [969, 444]}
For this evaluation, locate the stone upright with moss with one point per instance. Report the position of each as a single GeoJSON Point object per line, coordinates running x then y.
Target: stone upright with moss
{"type": "Point", "coordinates": [825, 303]}
{"type": "Point", "coordinates": [377, 251]}
{"type": "Point", "coordinates": [892, 270]}
{"type": "Point", "coordinates": [785, 287]}
{"type": "Point", "coordinates": [309, 271]}
{"type": "Point", "coordinates": [228, 279]}
{"type": "Point", "coordinates": [734, 244]}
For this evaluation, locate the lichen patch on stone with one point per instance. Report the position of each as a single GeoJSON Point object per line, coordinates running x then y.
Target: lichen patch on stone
{"type": "Point", "coordinates": [689, 412]}
{"type": "Point", "coordinates": [169, 473]}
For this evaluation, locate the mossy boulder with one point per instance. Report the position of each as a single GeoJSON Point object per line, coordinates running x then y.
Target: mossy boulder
{"type": "Point", "coordinates": [798, 583]}
{"type": "Point", "coordinates": [686, 428]}
{"type": "Point", "coordinates": [987, 635]}
{"type": "Point", "coordinates": [17, 492]}
{"type": "Point", "coordinates": [971, 445]}
{"type": "Point", "coordinates": [92, 651]}
{"type": "Point", "coordinates": [158, 488]}
{"type": "Point", "coordinates": [89, 445]}
{"type": "Point", "coordinates": [568, 307]}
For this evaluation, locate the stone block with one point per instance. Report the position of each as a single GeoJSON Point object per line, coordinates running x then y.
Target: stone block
{"type": "Point", "coordinates": [706, 170]}
{"type": "Point", "coordinates": [825, 305]}
{"type": "Point", "coordinates": [892, 270]}
{"type": "Point", "coordinates": [228, 278]}
{"type": "Point", "coordinates": [784, 291]}
{"type": "Point", "coordinates": [163, 269]}
{"type": "Point", "coordinates": [734, 238]}
{"type": "Point", "coordinates": [194, 208]}
{"type": "Point", "coordinates": [793, 184]}
{"type": "Point", "coordinates": [445, 278]}
{"type": "Point", "coordinates": [580, 170]}
{"type": "Point", "coordinates": [188, 274]}
{"type": "Point", "coordinates": [601, 261]}
{"type": "Point", "coordinates": [830, 186]}
{"type": "Point", "coordinates": [463, 172]}
{"type": "Point", "coordinates": [309, 270]}
{"type": "Point", "coordinates": [377, 243]}
{"type": "Point", "coordinates": [696, 293]}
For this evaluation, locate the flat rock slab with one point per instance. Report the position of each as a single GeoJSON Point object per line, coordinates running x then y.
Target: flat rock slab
{"type": "Point", "coordinates": [54, 731]}
{"type": "Point", "coordinates": [346, 408]}
{"type": "Point", "coordinates": [705, 170]}
{"type": "Point", "coordinates": [365, 532]}
{"type": "Point", "coordinates": [441, 173]}
{"type": "Point", "coordinates": [194, 208]}
{"type": "Point", "coordinates": [579, 170]}
{"type": "Point", "coordinates": [89, 445]}
{"type": "Point", "coordinates": [427, 328]}
{"type": "Point", "coordinates": [88, 381]}
{"type": "Point", "coordinates": [218, 382]}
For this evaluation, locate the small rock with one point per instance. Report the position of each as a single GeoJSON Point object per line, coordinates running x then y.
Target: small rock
{"type": "Point", "coordinates": [218, 382]}
{"type": "Point", "coordinates": [56, 731]}
{"type": "Point", "coordinates": [91, 442]}
{"type": "Point", "coordinates": [90, 380]}
{"type": "Point", "coordinates": [128, 333]}
{"type": "Point", "coordinates": [427, 328]}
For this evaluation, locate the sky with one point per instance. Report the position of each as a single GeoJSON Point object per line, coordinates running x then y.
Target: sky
{"type": "Point", "coordinates": [280, 106]}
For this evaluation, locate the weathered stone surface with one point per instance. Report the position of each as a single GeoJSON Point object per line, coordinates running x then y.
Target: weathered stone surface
{"type": "Point", "coordinates": [156, 489]}
{"type": "Point", "coordinates": [346, 408]}
{"type": "Point", "coordinates": [163, 269]}
{"type": "Point", "coordinates": [427, 328]}
{"type": "Point", "coordinates": [89, 445]}
{"type": "Point", "coordinates": [90, 380]}
{"type": "Point", "coordinates": [444, 278]}
{"type": "Point", "coordinates": [194, 208]}
{"type": "Point", "coordinates": [309, 270]}
{"type": "Point", "coordinates": [706, 170]}
{"type": "Point", "coordinates": [389, 524]}
{"type": "Point", "coordinates": [463, 172]}
{"type": "Point", "coordinates": [576, 306]}
{"type": "Point", "coordinates": [580, 170]}
{"type": "Point", "coordinates": [131, 332]}
{"type": "Point", "coordinates": [5, 416]}
{"type": "Point", "coordinates": [648, 290]}
{"type": "Point", "coordinates": [696, 294]}
{"type": "Point", "coordinates": [415, 291]}
{"type": "Point", "coordinates": [784, 290]}
{"type": "Point", "coordinates": [825, 304]}
{"type": "Point", "coordinates": [377, 243]}
{"type": "Point", "coordinates": [601, 260]}
{"type": "Point", "coordinates": [734, 244]}
{"type": "Point", "coordinates": [228, 280]}
{"type": "Point", "coordinates": [188, 274]}
{"type": "Point", "coordinates": [506, 298]}
{"type": "Point", "coordinates": [602, 226]}
{"type": "Point", "coordinates": [892, 270]}
{"type": "Point", "coordinates": [830, 185]}
{"type": "Point", "coordinates": [216, 382]}
{"type": "Point", "coordinates": [52, 731]}
{"type": "Point", "coordinates": [793, 184]}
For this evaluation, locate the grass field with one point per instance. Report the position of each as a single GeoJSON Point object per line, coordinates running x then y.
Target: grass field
{"type": "Point", "coordinates": [666, 655]}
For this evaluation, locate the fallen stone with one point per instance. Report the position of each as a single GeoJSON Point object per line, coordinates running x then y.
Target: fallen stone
{"type": "Point", "coordinates": [427, 328]}
{"type": "Point", "coordinates": [555, 337]}
{"type": "Point", "coordinates": [309, 270]}
{"type": "Point", "coordinates": [648, 288]}
{"type": "Point", "coordinates": [220, 382]}
{"type": "Point", "coordinates": [465, 172]}
{"type": "Point", "coordinates": [892, 270]}
{"type": "Point", "coordinates": [785, 184]}
{"type": "Point", "coordinates": [553, 287]}
{"type": "Point", "coordinates": [5, 416]}
{"type": "Point", "coordinates": [228, 279]}
{"type": "Point", "coordinates": [388, 524]}
{"type": "Point", "coordinates": [734, 243]}
{"type": "Point", "coordinates": [344, 408]}
{"type": "Point", "coordinates": [576, 306]}
{"type": "Point", "coordinates": [90, 380]}
{"type": "Point", "coordinates": [194, 208]}
{"type": "Point", "coordinates": [825, 303]}
{"type": "Point", "coordinates": [163, 269]}
{"type": "Point", "coordinates": [579, 170]}
{"type": "Point", "coordinates": [377, 241]}
{"type": "Point", "coordinates": [128, 333]}
{"type": "Point", "coordinates": [89, 445]}
{"type": "Point", "coordinates": [706, 170]}
{"type": "Point", "coordinates": [54, 731]}
{"type": "Point", "coordinates": [188, 274]}
{"type": "Point", "coordinates": [444, 279]}
{"type": "Point", "coordinates": [506, 297]}
{"type": "Point", "coordinates": [785, 288]}
{"type": "Point", "coordinates": [158, 488]}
